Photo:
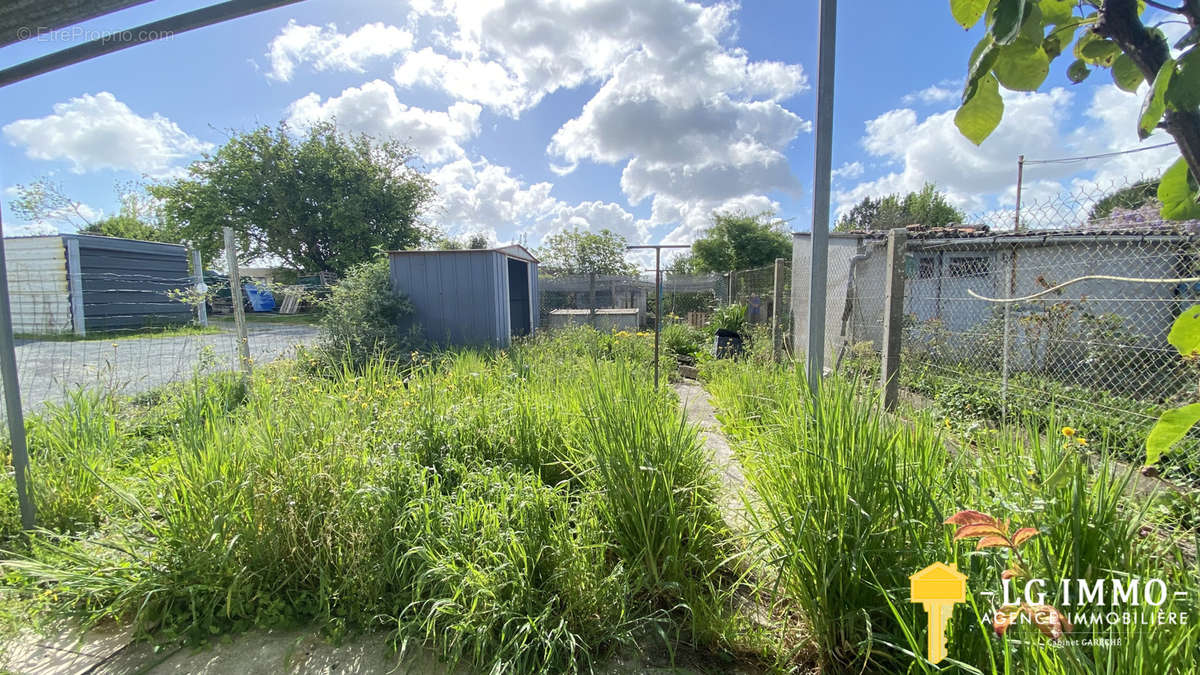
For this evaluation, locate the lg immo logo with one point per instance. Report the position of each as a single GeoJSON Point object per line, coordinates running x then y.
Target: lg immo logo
{"type": "Point", "coordinates": [1076, 603]}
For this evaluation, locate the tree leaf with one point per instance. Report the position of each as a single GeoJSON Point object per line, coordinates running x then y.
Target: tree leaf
{"type": "Point", "coordinates": [1023, 535]}
{"type": "Point", "coordinates": [1170, 428]}
{"type": "Point", "coordinates": [1178, 193]}
{"type": "Point", "coordinates": [1022, 65]}
{"type": "Point", "coordinates": [1183, 93]}
{"type": "Point", "coordinates": [979, 116]}
{"type": "Point", "coordinates": [1007, 17]}
{"type": "Point", "coordinates": [979, 530]}
{"type": "Point", "coordinates": [1185, 332]}
{"type": "Point", "coordinates": [992, 541]}
{"type": "Point", "coordinates": [1078, 71]}
{"type": "Point", "coordinates": [1057, 11]}
{"type": "Point", "coordinates": [1125, 73]}
{"type": "Point", "coordinates": [1098, 50]}
{"type": "Point", "coordinates": [970, 517]}
{"type": "Point", "coordinates": [968, 12]}
{"type": "Point", "coordinates": [1154, 104]}
{"type": "Point", "coordinates": [979, 65]}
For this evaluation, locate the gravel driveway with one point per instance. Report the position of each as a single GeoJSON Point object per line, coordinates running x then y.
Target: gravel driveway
{"type": "Point", "coordinates": [128, 366]}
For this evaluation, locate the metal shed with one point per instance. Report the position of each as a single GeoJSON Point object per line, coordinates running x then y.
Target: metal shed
{"type": "Point", "coordinates": [470, 297]}
{"type": "Point", "coordinates": [75, 283]}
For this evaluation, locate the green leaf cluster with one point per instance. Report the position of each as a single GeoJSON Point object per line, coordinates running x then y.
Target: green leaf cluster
{"type": "Point", "coordinates": [319, 200]}
{"type": "Point", "coordinates": [740, 241]}
{"type": "Point", "coordinates": [928, 207]}
{"type": "Point", "coordinates": [576, 251]}
{"type": "Point", "coordinates": [1174, 424]}
{"type": "Point", "coordinates": [1023, 37]}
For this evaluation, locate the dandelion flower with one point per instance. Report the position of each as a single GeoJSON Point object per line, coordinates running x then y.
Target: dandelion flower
{"type": "Point", "coordinates": [1068, 431]}
{"type": "Point", "coordinates": [1081, 440]}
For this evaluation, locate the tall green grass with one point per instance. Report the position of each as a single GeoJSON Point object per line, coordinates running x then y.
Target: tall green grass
{"type": "Point", "coordinates": [529, 510]}
{"type": "Point", "coordinates": [850, 501]}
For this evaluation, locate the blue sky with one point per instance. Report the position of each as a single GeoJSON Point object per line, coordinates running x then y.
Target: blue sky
{"type": "Point", "coordinates": [642, 117]}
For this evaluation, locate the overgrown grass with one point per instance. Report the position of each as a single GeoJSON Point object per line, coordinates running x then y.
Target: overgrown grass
{"type": "Point", "coordinates": [522, 511]}
{"type": "Point", "coordinates": [851, 501]}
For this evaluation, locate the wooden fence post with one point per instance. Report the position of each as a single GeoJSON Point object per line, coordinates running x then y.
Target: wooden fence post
{"type": "Point", "coordinates": [893, 317]}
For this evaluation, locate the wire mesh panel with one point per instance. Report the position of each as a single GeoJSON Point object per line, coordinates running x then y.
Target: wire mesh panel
{"type": "Point", "coordinates": [78, 324]}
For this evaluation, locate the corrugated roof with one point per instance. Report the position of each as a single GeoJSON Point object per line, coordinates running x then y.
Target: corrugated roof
{"type": "Point", "coordinates": [25, 19]}
{"type": "Point", "coordinates": [511, 250]}
{"type": "Point", "coordinates": [1189, 228]}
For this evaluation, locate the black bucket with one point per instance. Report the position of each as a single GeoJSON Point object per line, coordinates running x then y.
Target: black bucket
{"type": "Point", "coordinates": [727, 344]}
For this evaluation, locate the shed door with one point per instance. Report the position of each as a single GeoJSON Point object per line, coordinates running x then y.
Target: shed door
{"type": "Point", "coordinates": [518, 297]}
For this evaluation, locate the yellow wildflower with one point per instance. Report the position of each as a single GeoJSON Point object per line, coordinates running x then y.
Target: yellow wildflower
{"type": "Point", "coordinates": [1068, 431]}
{"type": "Point", "coordinates": [1081, 440]}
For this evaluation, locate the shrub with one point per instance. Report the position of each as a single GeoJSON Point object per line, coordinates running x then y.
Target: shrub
{"type": "Point", "coordinates": [364, 318]}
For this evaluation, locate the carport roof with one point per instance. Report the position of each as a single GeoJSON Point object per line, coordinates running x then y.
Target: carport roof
{"type": "Point", "coordinates": [22, 19]}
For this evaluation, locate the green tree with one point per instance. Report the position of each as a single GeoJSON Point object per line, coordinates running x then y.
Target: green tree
{"type": "Point", "coordinates": [1133, 197]}
{"type": "Point", "coordinates": [738, 241]}
{"type": "Point", "coordinates": [927, 207]}
{"type": "Point", "coordinates": [319, 201]}
{"type": "Point", "coordinates": [473, 241]}
{"type": "Point", "coordinates": [577, 251]}
{"type": "Point", "coordinates": [1023, 37]}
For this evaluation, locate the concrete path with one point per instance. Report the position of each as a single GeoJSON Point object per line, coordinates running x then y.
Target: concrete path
{"type": "Point", "coordinates": [699, 411]}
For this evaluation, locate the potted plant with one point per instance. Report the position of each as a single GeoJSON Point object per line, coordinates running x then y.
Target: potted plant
{"type": "Point", "coordinates": [729, 324]}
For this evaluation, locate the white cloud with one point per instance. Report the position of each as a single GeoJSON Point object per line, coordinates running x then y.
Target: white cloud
{"type": "Point", "coordinates": [690, 117]}
{"type": "Point", "coordinates": [849, 170]}
{"type": "Point", "coordinates": [982, 179]}
{"type": "Point", "coordinates": [475, 196]}
{"type": "Point", "coordinates": [374, 109]}
{"type": "Point", "coordinates": [96, 131]}
{"type": "Point", "coordinates": [932, 94]}
{"type": "Point", "coordinates": [325, 48]}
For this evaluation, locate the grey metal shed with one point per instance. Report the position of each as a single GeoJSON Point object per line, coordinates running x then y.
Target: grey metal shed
{"type": "Point", "coordinates": [470, 297]}
{"type": "Point", "coordinates": [75, 283]}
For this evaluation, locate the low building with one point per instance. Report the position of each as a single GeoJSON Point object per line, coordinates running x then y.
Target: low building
{"type": "Point", "coordinates": [471, 296]}
{"type": "Point", "coordinates": [76, 283]}
{"type": "Point", "coordinates": [943, 266]}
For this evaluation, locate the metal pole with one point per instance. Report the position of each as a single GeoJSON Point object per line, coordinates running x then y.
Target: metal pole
{"type": "Point", "coordinates": [1020, 179]}
{"type": "Point", "coordinates": [12, 400]}
{"type": "Point", "coordinates": [235, 295]}
{"type": "Point", "coordinates": [1004, 366]}
{"type": "Point", "coordinates": [822, 161]}
{"type": "Point", "coordinates": [893, 317]}
{"type": "Point", "coordinates": [657, 307]}
{"type": "Point", "coordinates": [201, 288]}
{"type": "Point", "coordinates": [776, 319]}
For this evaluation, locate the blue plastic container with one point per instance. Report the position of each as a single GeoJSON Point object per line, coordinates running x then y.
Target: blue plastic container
{"type": "Point", "coordinates": [261, 299]}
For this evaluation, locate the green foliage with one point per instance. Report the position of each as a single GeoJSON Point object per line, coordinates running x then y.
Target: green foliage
{"type": "Point", "coordinates": [363, 318]}
{"type": "Point", "coordinates": [850, 502]}
{"type": "Point", "coordinates": [1174, 424]}
{"type": "Point", "coordinates": [128, 227]}
{"type": "Point", "coordinates": [740, 241]}
{"type": "Point", "coordinates": [322, 201]}
{"type": "Point", "coordinates": [1023, 37]}
{"type": "Point", "coordinates": [730, 317]}
{"type": "Point", "coordinates": [519, 511]}
{"type": "Point", "coordinates": [45, 201]}
{"type": "Point", "coordinates": [928, 207]}
{"type": "Point", "coordinates": [1178, 193]}
{"type": "Point", "coordinates": [576, 251]}
{"type": "Point", "coordinates": [1133, 197]}
{"type": "Point", "coordinates": [682, 341]}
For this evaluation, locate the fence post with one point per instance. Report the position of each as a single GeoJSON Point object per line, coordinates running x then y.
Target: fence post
{"type": "Point", "coordinates": [235, 295]}
{"type": "Point", "coordinates": [75, 284]}
{"type": "Point", "coordinates": [592, 299]}
{"type": "Point", "coordinates": [201, 288]}
{"type": "Point", "coordinates": [1009, 289]}
{"type": "Point", "coordinates": [893, 317]}
{"type": "Point", "coordinates": [776, 319]}
{"type": "Point", "coordinates": [12, 401]}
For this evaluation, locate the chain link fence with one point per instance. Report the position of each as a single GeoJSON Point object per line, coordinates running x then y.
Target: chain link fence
{"type": "Point", "coordinates": [1092, 355]}
{"type": "Point", "coordinates": [117, 318]}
